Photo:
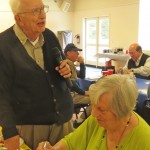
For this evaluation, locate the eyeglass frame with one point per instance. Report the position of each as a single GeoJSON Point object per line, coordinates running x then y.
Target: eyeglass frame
{"type": "Point", "coordinates": [37, 11]}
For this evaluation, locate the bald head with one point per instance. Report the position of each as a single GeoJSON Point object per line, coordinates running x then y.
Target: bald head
{"type": "Point", "coordinates": [135, 51]}
{"type": "Point", "coordinates": [135, 47]}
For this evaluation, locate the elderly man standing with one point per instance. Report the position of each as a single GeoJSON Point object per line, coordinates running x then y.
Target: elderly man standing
{"type": "Point", "coordinates": [35, 102]}
{"type": "Point", "coordinates": [139, 63]}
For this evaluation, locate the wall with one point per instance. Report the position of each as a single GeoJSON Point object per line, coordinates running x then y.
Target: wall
{"type": "Point", "coordinates": [57, 20]}
{"type": "Point", "coordinates": [6, 17]}
{"type": "Point", "coordinates": [123, 18]}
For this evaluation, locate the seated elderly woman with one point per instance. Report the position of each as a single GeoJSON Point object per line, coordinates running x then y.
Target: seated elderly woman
{"type": "Point", "coordinates": [113, 123]}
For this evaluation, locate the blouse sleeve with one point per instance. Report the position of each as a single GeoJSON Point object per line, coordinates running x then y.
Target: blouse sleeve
{"type": "Point", "coordinates": [80, 138]}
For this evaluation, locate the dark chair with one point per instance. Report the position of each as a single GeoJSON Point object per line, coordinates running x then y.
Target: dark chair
{"type": "Point", "coordinates": [148, 91]}
{"type": "Point", "coordinates": [84, 84]}
{"type": "Point", "coordinates": [146, 111]}
{"type": "Point", "coordinates": [80, 108]}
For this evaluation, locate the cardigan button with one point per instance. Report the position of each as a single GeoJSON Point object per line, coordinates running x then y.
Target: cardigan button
{"type": "Point", "coordinates": [52, 85]}
{"type": "Point", "coordinates": [57, 112]}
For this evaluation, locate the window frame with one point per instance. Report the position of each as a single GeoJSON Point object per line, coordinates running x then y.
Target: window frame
{"type": "Point", "coordinates": [99, 47]}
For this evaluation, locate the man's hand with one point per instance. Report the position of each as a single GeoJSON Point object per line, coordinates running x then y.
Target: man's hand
{"type": "Point", "coordinates": [128, 71]}
{"type": "Point", "coordinates": [64, 69]}
{"type": "Point", "coordinates": [86, 93]}
{"type": "Point", "coordinates": [12, 143]}
{"type": "Point", "coordinates": [80, 59]}
{"type": "Point", "coordinates": [120, 70]}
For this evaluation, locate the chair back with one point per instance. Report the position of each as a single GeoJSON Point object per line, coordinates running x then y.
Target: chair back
{"type": "Point", "coordinates": [146, 111]}
{"type": "Point", "coordinates": [84, 84]}
{"type": "Point", "coordinates": [148, 91]}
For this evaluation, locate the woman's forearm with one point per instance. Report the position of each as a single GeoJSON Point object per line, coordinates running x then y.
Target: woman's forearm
{"type": "Point", "coordinates": [46, 145]}
{"type": "Point", "coordinates": [60, 146]}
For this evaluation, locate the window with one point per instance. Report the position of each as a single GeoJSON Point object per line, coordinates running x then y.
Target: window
{"type": "Point", "coordinates": [96, 38]}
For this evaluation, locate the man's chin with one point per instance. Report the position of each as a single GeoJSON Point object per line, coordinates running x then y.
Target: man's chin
{"type": "Point", "coordinates": [42, 29]}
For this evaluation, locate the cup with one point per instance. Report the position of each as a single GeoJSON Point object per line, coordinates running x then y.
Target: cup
{"type": "Point", "coordinates": [110, 71]}
{"type": "Point", "coordinates": [105, 73]}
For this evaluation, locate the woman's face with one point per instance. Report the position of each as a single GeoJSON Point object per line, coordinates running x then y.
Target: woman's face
{"type": "Point", "coordinates": [102, 112]}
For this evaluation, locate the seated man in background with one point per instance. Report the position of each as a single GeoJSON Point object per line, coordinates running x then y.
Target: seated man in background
{"type": "Point", "coordinates": [113, 124]}
{"type": "Point", "coordinates": [139, 63]}
{"type": "Point", "coordinates": [79, 95]}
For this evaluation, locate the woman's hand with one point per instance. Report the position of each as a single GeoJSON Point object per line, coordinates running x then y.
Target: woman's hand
{"type": "Point", "coordinates": [80, 59]}
{"type": "Point", "coordinates": [44, 146]}
{"type": "Point", "coordinates": [47, 146]}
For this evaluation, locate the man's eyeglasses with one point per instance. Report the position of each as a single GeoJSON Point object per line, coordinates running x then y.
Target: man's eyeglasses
{"type": "Point", "coordinates": [37, 11]}
{"type": "Point", "coordinates": [132, 53]}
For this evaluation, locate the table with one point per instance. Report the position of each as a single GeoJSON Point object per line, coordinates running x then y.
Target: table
{"type": "Point", "coordinates": [112, 56]}
{"type": "Point", "coordinates": [142, 85]}
{"type": "Point", "coordinates": [118, 60]}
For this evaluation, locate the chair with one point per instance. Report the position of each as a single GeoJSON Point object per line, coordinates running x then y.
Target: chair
{"type": "Point", "coordinates": [80, 108]}
{"type": "Point", "coordinates": [146, 111]}
{"type": "Point", "coordinates": [84, 84]}
{"type": "Point", "coordinates": [148, 91]}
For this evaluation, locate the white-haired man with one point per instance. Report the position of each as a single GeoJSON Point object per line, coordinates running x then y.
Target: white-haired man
{"type": "Point", "coordinates": [35, 101]}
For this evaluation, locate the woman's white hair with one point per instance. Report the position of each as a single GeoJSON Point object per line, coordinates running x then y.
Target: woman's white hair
{"type": "Point", "coordinates": [124, 92]}
{"type": "Point", "coordinates": [15, 6]}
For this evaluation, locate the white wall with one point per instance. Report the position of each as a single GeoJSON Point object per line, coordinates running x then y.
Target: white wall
{"type": "Point", "coordinates": [123, 18]}
{"type": "Point", "coordinates": [57, 20]}
{"type": "Point", "coordinates": [6, 16]}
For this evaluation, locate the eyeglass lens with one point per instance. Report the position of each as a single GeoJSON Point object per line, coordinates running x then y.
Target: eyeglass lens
{"type": "Point", "coordinates": [38, 11]}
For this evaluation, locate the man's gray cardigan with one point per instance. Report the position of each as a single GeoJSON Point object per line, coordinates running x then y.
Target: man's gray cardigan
{"type": "Point", "coordinates": [30, 95]}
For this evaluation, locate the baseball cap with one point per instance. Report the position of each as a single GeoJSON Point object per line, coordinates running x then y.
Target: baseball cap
{"type": "Point", "coordinates": [71, 47]}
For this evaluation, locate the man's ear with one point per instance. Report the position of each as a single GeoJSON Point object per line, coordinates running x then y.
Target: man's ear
{"type": "Point", "coordinates": [67, 53]}
{"type": "Point", "coordinates": [18, 20]}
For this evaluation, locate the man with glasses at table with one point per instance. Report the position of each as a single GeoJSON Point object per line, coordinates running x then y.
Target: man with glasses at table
{"type": "Point", "coordinates": [139, 63]}
{"type": "Point", "coordinates": [35, 102]}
